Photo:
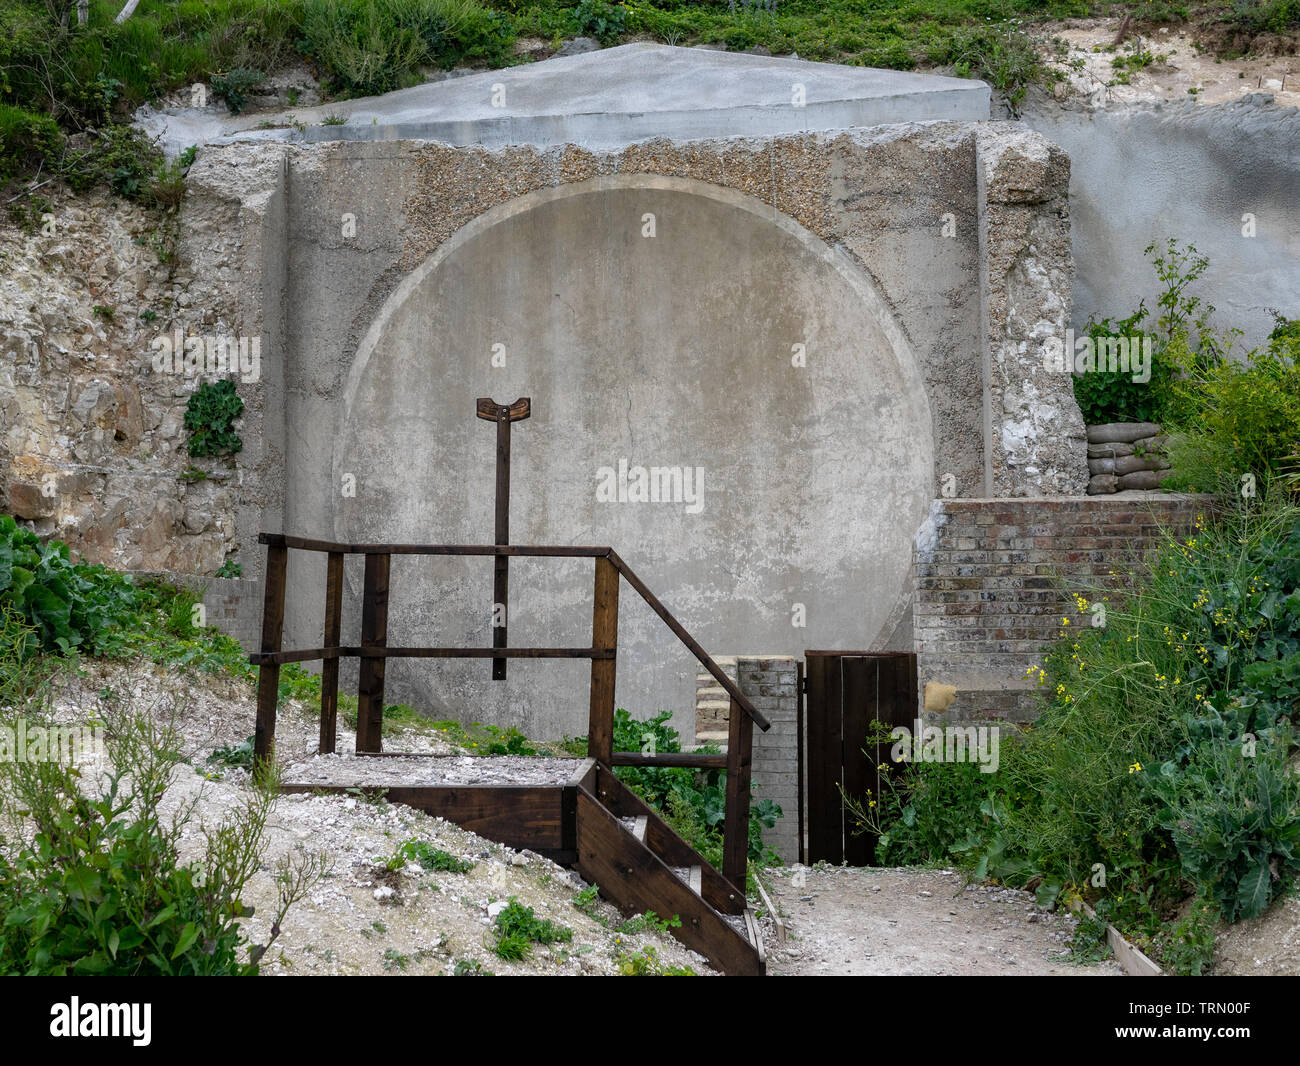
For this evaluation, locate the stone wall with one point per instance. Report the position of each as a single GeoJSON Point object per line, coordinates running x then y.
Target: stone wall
{"type": "Point", "coordinates": [994, 579]}
{"type": "Point", "coordinates": [770, 685]}
{"type": "Point", "coordinates": [92, 445]}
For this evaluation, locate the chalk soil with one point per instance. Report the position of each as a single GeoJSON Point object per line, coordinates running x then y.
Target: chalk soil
{"type": "Point", "coordinates": [865, 921]}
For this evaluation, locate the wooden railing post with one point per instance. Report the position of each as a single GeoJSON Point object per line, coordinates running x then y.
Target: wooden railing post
{"type": "Point", "coordinates": [268, 674]}
{"type": "Point", "coordinates": [735, 846]}
{"type": "Point", "coordinates": [604, 634]}
{"type": "Point", "coordinates": [329, 675]}
{"type": "Point", "coordinates": [374, 634]}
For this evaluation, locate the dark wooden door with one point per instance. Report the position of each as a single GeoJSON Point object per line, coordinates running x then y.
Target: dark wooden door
{"type": "Point", "coordinates": [846, 692]}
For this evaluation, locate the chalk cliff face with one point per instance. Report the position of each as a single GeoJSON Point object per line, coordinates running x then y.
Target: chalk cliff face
{"type": "Point", "coordinates": [92, 444]}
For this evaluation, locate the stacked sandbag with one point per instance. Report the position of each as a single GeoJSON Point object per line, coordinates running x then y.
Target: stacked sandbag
{"type": "Point", "coordinates": [1125, 455]}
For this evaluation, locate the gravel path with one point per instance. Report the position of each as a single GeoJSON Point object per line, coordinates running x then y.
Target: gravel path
{"type": "Point", "coordinates": [862, 921]}
{"type": "Point", "coordinates": [351, 769]}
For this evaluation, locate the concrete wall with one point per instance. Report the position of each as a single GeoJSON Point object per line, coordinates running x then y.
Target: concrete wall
{"type": "Point", "coordinates": [1140, 175]}
{"type": "Point", "coordinates": [920, 266]}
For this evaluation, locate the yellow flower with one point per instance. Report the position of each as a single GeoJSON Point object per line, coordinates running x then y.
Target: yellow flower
{"type": "Point", "coordinates": [1135, 768]}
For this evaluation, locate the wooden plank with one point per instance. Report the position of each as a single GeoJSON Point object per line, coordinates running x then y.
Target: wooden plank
{"type": "Point", "coordinates": [577, 551]}
{"type": "Point", "coordinates": [694, 760]}
{"type": "Point", "coordinates": [825, 810]}
{"type": "Point", "coordinates": [637, 880]}
{"type": "Point", "coordinates": [740, 759]}
{"type": "Point", "coordinates": [861, 695]}
{"type": "Point", "coordinates": [374, 634]}
{"type": "Point", "coordinates": [519, 816]}
{"type": "Point", "coordinates": [800, 688]}
{"type": "Point", "coordinates": [718, 892]}
{"type": "Point", "coordinates": [329, 678]}
{"type": "Point", "coordinates": [704, 658]}
{"type": "Point", "coordinates": [268, 676]}
{"type": "Point", "coordinates": [755, 935]}
{"type": "Point", "coordinates": [604, 633]}
{"type": "Point", "coordinates": [586, 775]}
{"type": "Point", "coordinates": [501, 566]}
{"type": "Point", "coordinates": [346, 651]}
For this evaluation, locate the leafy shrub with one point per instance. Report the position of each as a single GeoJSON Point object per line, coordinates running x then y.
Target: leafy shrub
{"type": "Point", "coordinates": [209, 416]}
{"type": "Point", "coordinates": [235, 755]}
{"type": "Point", "coordinates": [1235, 819]}
{"type": "Point", "coordinates": [1237, 417]}
{"type": "Point", "coordinates": [927, 812]}
{"type": "Point", "coordinates": [430, 858]}
{"type": "Point", "coordinates": [69, 605]}
{"type": "Point", "coordinates": [1137, 766]}
{"type": "Point", "coordinates": [600, 19]}
{"type": "Point", "coordinates": [99, 887]}
{"type": "Point", "coordinates": [1113, 396]}
{"type": "Point", "coordinates": [27, 140]}
{"type": "Point", "coordinates": [645, 963]}
{"type": "Point", "coordinates": [518, 929]}
{"type": "Point", "coordinates": [233, 87]}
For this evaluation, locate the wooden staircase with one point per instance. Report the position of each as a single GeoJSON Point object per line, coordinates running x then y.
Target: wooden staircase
{"type": "Point", "coordinates": [639, 864]}
{"type": "Point", "coordinates": [595, 823]}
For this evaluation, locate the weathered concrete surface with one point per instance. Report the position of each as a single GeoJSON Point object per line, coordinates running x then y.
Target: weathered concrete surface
{"type": "Point", "coordinates": [608, 99]}
{"type": "Point", "coordinates": [403, 267]}
{"type": "Point", "coordinates": [666, 351]}
{"type": "Point", "coordinates": [797, 318]}
{"type": "Point", "coordinates": [1140, 175]}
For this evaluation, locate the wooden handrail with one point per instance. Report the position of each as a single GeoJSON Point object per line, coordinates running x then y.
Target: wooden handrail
{"type": "Point", "coordinates": [692, 645]}
{"type": "Point", "coordinates": [355, 651]}
{"type": "Point", "coordinates": [282, 540]}
{"type": "Point", "coordinates": [374, 651]}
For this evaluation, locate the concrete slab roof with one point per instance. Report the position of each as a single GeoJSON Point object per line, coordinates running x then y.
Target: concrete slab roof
{"type": "Point", "coordinates": [611, 98]}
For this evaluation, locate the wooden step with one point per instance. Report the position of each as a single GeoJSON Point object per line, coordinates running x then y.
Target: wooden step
{"type": "Point", "coordinates": [637, 880]}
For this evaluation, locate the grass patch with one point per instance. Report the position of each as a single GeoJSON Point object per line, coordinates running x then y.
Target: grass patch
{"type": "Point", "coordinates": [518, 929]}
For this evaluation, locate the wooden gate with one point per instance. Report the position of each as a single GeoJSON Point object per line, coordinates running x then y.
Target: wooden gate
{"type": "Point", "coordinates": [846, 691]}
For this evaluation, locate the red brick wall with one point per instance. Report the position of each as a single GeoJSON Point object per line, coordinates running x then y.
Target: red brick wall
{"type": "Point", "coordinates": [995, 576]}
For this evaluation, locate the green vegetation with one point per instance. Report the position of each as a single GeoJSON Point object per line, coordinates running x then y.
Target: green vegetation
{"type": "Point", "coordinates": [59, 78]}
{"type": "Point", "coordinates": [68, 605]}
{"type": "Point", "coordinates": [210, 417]}
{"type": "Point", "coordinates": [428, 857]}
{"type": "Point", "coordinates": [692, 802]}
{"type": "Point", "coordinates": [91, 879]}
{"type": "Point", "coordinates": [645, 963]}
{"type": "Point", "coordinates": [1157, 773]}
{"type": "Point", "coordinates": [1228, 417]}
{"type": "Point", "coordinates": [470, 968]}
{"type": "Point", "coordinates": [517, 929]}
{"type": "Point", "coordinates": [640, 923]}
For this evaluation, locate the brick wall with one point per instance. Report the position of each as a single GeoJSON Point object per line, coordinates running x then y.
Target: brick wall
{"type": "Point", "coordinates": [994, 578]}
{"type": "Point", "coordinates": [770, 685]}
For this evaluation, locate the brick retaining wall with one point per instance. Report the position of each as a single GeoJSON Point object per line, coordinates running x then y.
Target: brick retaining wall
{"type": "Point", "coordinates": [994, 578]}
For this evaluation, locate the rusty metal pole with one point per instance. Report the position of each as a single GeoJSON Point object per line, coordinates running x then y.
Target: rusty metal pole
{"type": "Point", "coordinates": [503, 415]}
